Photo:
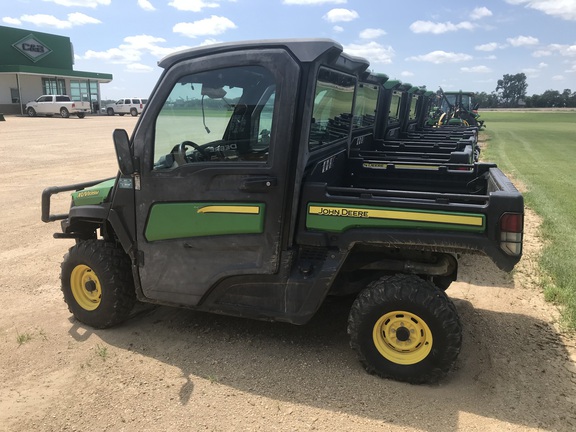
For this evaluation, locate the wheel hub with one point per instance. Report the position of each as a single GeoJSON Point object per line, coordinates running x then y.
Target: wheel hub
{"type": "Point", "coordinates": [402, 334]}
{"type": "Point", "coordinates": [90, 286]}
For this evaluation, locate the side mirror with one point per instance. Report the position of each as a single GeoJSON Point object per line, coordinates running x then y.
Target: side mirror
{"type": "Point", "coordinates": [123, 154]}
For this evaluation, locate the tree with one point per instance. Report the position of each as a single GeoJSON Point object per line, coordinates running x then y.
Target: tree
{"type": "Point", "coordinates": [512, 88]}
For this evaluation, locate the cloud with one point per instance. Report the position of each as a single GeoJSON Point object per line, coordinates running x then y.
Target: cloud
{"type": "Point", "coordinates": [372, 51]}
{"type": "Point", "coordinates": [74, 19]}
{"type": "Point", "coordinates": [146, 5]}
{"type": "Point", "coordinates": [192, 5]}
{"type": "Point", "coordinates": [312, 2]}
{"type": "Point", "coordinates": [372, 33]}
{"type": "Point", "coordinates": [522, 41]}
{"type": "Point", "coordinates": [476, 69]}
{"type": "Point", "coordinates": [558, 78]}
{"type": "Point", "coordinates": [81, 3]}
{"type": "Point", "coordinates": [406, 74]}
{"type": "Point", "coordinates": [338, 29]}
{"type": "Point", "coordinates": [480, 12]}
{"type": "Point", "coordinates": [439, 28]}
{"type": "Point", "coordinates": [440, 57]}
{"type": "Point", "coordinates": [138, 68]}
{"type": "Point", "coordinates": [565, 9]}
{"type": "Point", "coordinates": [11, 21]}
{"type": "Point", "coordinates": [340, 15]}
{"type": "Point", "coordinates": [563, 50]}
{"type": "Point", "coordinates": [78, 19]}
{"type": "Point", "coordinates": [132, 51]}
{"type": "Point", "coordinates": [212, 26]}
{"type": "Point", "coordinates": [491, 46]}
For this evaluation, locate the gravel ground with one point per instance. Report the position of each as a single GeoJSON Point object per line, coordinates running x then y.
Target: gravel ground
{"type": "Point", "coordinates": [170, 369]}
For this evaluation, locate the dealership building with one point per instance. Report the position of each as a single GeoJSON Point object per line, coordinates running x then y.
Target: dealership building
{"type": "Point", "coordinates": [34, 63]}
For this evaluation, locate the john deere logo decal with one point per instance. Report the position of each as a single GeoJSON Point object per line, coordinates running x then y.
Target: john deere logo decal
{"type": "Point", "coordinates": [32, 48]}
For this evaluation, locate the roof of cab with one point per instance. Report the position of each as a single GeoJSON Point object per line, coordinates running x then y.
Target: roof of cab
{"type": "Point", "coordinates": [305, 50]}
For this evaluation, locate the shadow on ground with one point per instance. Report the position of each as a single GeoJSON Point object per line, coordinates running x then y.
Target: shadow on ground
{"type": "Point", "coordinates": [508, 369]}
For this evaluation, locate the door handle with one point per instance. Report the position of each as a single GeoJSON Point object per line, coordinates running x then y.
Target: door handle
{"type": "Point", "coordinates": [258, 184]}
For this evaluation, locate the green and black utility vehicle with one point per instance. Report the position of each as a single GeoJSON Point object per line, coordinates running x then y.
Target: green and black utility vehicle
{"type": "Point", "coordinates": [236, 195]}
{"type": "Point", "coordinates": [391, 110]}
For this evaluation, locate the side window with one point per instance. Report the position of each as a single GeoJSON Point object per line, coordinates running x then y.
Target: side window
{"type": "Point", "coordinates": [223, 115]}
{"type": "Point", "coordinates": [395, 107]}
{"type": "Point", "coordinates": [120, 102]}
{"type": "Point", "coordinates": [332, 114]}
{"type": "Point", "coordinates": [136, 101]}
{"type": "Point", "coordinates": [127, 101]}
{"type": "Point", "coordinates": [413, 105]}
{"type": "Point", "coordinates": [365, 105]}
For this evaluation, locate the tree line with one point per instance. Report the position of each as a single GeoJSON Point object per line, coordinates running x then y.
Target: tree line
{"type": "Point", "coordinates": [511, 90]}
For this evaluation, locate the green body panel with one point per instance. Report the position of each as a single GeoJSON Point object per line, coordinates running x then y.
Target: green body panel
{"type": "Point", "coordinates": [195, 219]}
{"type": "Point", "coordinates": [93, 195]}
{"type": "Point", "coordinates": [339, 218]}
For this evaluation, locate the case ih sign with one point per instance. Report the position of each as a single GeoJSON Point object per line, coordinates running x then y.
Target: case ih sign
{"type": "Point", "coordinates": [32, 48]}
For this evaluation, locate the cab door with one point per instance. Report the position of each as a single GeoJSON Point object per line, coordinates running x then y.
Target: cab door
{"type": "Point", "coordinates": [214, 144]}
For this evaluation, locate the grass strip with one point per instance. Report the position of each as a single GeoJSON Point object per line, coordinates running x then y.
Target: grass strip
{"type": "Point", "coordinates": [539, 149]}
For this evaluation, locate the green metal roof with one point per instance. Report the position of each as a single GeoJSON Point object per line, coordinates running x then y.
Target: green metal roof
{"type": "Point", "coordinates": [35, 70]}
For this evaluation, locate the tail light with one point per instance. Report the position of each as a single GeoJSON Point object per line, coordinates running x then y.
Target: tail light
{"type": "Point", "coordinates": [140, 106]}
{"type": "Point", "coordinates": [73, 105]}
{"type": "Point", "coordinates": [511, 227]}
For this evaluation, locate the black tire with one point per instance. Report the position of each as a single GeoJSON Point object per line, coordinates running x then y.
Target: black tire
{"type": "Point", "coordinates": [121, 114]}
{"type": "Point", "coordinates": [110, 111]}
{"type": "Point", "coordinates": [97, 283]}
{"type": "Point", "coordinates": [404, 328]}
{"type": "Point", "coordinates": [64, 113]}
{"type": "Point", "coordinates": [81, 114]}
{"type": "Point", "coordinates": [133, 112]}
{"type": "Point", "coordinates": [31, 112]}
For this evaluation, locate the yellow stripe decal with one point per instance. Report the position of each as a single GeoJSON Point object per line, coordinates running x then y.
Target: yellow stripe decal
{"type": "Point", "coordinates": [230, 209]}
{"type": "Point", "coordinates": [397, 215]}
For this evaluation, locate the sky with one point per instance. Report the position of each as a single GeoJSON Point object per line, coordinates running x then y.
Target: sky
{"type": "Point", "coordinates": [466, 45]}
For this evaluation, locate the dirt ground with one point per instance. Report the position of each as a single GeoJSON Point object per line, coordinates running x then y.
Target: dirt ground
{"type": "Point", "coordinates": [171, 369]}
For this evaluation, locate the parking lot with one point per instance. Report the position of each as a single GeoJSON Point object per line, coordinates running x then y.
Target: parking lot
{"type": "Point", "coordinates": [170, 369]}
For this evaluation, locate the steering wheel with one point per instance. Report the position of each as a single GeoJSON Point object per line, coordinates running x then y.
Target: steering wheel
{"type": "Point", "coordinates": [180, 155]}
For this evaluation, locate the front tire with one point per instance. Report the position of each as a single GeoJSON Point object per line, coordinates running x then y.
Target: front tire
{"type": "Point", "coordinates": [31, 112]}
{"type": "Point", "coordinates": [97, 283]}
{"type": "Point", "coordinates": [64, 113]}
{"type": "Point", "coordinates": [406, 329]}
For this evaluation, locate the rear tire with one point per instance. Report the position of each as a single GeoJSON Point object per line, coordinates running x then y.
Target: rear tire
{"type": "Point", "coordinates": [81, 114]}
{"type": "Point", "coordinates": [64, 113]}
{"type": "Point", "coordinates": [133, 112]}
{"type": "Point", "coordinates": [31, 112]}
{"type": "Point", "coordinates": [406, 329]}
{"type": "Point", "coordinates": [97, 283]}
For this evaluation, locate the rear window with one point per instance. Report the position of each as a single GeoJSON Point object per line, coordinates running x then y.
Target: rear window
{"type": "Point", "coordinates": [365, 107]}
{"type": "Point", "coordinates": [332, 108]}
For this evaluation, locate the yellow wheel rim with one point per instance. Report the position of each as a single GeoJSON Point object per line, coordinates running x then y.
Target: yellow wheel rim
{"type": "Point", "coordinates": [85, 287]}
{"type": "Point", "coordinates": [402, 337]}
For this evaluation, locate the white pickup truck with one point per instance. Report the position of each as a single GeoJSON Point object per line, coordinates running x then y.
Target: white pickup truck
{"type": "Point", "coordinates": [57, 104]}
